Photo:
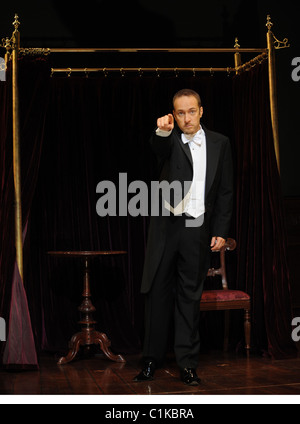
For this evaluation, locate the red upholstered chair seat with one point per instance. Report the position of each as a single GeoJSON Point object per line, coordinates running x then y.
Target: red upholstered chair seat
{"type": "Point", "coordinates": [223, 296]}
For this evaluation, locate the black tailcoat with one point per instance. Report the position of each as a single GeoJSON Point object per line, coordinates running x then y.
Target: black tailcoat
{"type": "Point", "coordinates": [176, 164]}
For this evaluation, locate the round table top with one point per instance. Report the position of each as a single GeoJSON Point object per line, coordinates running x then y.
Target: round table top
{"type": "Point", "coordinates": [87, 253]}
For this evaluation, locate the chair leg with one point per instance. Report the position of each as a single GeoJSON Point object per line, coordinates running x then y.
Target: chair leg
{"type": "Point", "coordinates": [247, 326]}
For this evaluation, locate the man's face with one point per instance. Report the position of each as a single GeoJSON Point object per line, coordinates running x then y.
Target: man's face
{"type": "Point", "coordinates": [187, 114]}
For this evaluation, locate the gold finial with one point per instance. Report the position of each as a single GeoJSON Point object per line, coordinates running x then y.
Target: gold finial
{"type": "Point", "coordinates": [269, 23]}
{"type": "Point", "coordinates": [237, 46]}
{"type": "Point", "coordinates": [16, 22]}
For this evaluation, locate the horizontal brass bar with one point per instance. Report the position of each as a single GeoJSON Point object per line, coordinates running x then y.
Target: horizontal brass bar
{"type": "Point", "coordinates": [87, 70]}
{"type": "Point", "coordinates": [154, 50]}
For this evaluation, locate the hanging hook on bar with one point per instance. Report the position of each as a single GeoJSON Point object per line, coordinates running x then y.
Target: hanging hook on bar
{"type": "Point", "coordinates": [87, 74]}
{"type": "Point", "coordinates": [157, 72]}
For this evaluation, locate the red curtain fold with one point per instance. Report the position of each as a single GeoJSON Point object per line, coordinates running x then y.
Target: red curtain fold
{"type": "Point", "coordinates": [20, 351]}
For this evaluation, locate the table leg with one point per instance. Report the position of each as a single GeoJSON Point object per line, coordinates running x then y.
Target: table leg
{"type": "Point", "coordinates": [88, 335]}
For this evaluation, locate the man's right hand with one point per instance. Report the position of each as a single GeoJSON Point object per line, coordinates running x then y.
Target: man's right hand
{"type": "Point", "coordinates": [166, 123]}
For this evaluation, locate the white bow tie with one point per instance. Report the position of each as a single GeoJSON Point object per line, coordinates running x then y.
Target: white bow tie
{"type": "Point", "coordinates": [196, 138]}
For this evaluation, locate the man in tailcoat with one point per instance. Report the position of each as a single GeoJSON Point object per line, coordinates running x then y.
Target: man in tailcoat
{"type": "Point", "coordinates": [180, 239]}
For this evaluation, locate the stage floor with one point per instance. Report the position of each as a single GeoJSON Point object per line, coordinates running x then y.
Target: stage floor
{"type": "Point", "coordinates": [221, 374]}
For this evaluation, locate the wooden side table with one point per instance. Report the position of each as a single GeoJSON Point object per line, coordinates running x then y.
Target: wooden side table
{"type": "Point", "coordinates": [88, 335]}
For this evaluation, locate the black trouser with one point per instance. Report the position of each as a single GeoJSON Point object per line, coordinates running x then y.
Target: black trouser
{"type": "Point", "coordinates": [176, 292]}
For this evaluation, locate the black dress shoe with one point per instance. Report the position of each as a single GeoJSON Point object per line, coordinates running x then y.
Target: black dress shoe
{"type": "Point", "coordinates": [189, 377]}
{"type": "Point", "coordinates": [147, 373]}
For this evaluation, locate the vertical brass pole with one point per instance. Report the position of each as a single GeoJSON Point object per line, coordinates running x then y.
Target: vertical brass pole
{"type": "Point", "coordinates": [7, 45]}
{"type": "Point", "coordinates": [273, 90]}
{"type": "Point", "coordinates": [16, 148]}
{"type": "Point", "coordinates": [237, 56]}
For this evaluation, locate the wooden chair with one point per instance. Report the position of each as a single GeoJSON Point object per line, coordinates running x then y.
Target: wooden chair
{"type": "Point", "coordinates": [225, 299]}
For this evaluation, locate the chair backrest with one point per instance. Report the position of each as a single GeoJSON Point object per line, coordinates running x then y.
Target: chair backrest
{"type": "Point", "coordinates": [212, 272]}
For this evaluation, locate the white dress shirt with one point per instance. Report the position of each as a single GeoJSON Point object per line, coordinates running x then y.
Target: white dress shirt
{"type": "Point", "coordinates": [194, 202]}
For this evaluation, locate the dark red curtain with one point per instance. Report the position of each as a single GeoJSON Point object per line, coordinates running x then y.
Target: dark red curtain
{"type": "Point", "coordinates": [79, 131]}
{"type": "Point", "coordinates": [19, 350]}
{"type": "Point", "coordinates": [262, 265]}
{"type": "Point", "coordinates": [7, 250]}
